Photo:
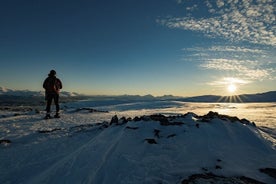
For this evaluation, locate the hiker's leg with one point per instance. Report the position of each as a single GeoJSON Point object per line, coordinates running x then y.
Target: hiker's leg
{"type": "Point", "coordinates": [56, 100]}
{"type": "Point", "coordinates": [49, 102]}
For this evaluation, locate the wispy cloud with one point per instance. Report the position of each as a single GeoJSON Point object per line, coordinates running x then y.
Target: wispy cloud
{"type": "Point", "coordinates": [248, 24]}
{"type": "Point", "coordinates": [229, 80]}
{"type": "Point", "coordinates": [247, 63]}
{"type": "Point", "coordinates": [228, 49]}
{"type": "Point", "coordinates": [243, 68]}
{"type": "Point", "coordinates": [236, 49]}
{"type": "Point", "coordinates": [236, 20]}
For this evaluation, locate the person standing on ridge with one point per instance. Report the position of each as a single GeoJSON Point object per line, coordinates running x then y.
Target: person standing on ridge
{"type": "Point", "coordinates": [52, 86]}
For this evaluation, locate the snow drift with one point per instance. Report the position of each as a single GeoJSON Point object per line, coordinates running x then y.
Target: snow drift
{"type": "Point", "coordinates": [148, 149]}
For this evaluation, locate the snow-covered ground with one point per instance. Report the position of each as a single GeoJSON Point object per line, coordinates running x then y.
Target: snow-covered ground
{"type": "Point", "coordinates": [83, 147]}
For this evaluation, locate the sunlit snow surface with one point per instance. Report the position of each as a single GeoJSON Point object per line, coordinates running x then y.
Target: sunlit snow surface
{"type": "Point", "coordinates": [73, 149]}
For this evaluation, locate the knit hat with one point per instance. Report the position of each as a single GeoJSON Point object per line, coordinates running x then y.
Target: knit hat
{"type": "Point", "coordinates": [52, 73]}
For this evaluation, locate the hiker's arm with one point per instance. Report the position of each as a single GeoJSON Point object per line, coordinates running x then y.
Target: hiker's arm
{"type": "Point", "coordinates": [44, 84]}
{"type": "Point", "coordinates": [60, 84]}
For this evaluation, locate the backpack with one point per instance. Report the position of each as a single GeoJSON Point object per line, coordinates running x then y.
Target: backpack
{"type": "Point", "coordinates": [52, 84]}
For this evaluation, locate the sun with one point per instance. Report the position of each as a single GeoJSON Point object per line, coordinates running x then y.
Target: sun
{"type": "Point", "coordinates": [232, 88]}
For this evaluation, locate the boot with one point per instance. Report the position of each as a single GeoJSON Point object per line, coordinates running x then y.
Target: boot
{"type": "Point", "coordinates": [47, 116]}
{"type": "Point", "coordinates": [57, 115]}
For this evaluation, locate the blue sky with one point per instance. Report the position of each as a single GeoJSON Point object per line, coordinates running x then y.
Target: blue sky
{"type": "Point", "coordinates": [178, 47]}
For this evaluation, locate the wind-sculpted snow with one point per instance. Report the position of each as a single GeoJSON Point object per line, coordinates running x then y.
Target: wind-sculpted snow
{"type": "Point", "coordinates": [184, 148]}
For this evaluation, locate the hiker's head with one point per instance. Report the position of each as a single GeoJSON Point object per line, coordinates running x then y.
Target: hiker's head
{"type": "Point", "coordinates": [52, 73]}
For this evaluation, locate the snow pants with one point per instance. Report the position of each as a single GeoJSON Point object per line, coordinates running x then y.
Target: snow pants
{"type": "Point", "coordinates": [49, 98]}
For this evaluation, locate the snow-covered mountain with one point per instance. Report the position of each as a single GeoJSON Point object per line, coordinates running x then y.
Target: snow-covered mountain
{"type": "Point", "coordinates": [10, 97]}
{"type": "Point", "coordinates": [184, 148]}
{"type": "Point", "coordinates": [6, 91]}
{"type": "Point", "coordinates": [28, 93]}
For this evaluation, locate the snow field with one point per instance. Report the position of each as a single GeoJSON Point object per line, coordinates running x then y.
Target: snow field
{"type": "Point", "coordinates": [82, 147]}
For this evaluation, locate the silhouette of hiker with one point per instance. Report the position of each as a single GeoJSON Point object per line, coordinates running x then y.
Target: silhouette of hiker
{"type": "Point", "coordinates": [52, 86]}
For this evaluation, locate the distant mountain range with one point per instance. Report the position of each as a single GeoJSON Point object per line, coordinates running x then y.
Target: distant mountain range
{"type": "Point", "coordinates": [259, 97]}
{"type": "Point", "coordinates": [27, 93]}
{"type": "Point", "coordinates": [8, 94]}
{"type": "Point", "coordinates": [9, 97]}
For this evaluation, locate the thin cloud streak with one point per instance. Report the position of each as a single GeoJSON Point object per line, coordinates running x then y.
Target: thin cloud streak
{"type": "Point", "coordinates": [236, 49]}
{"type": "Point", "coordinates": [246, 68]}
{"type": "Point", "coordinates": [227, 49]}
{"type": "Point", "coordinates": [243, 62]}
{"type": "Point", "coordinates": [229, 80]}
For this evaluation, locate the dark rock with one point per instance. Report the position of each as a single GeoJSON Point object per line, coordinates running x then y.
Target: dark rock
{"type": "Point", "coordinates": [104, 124]}
{"type": "Point", "coordinates": [95, 110]}
{"type": "Point", "coordinates": [80, 128]}
{"type": "Point", "coordinates": [171, 135]}
{"type": "Point", "coordinates": [208, 117]}
{"type": "Point", "coordinates": [159, 117]}
{"type": "Point", "coordinates": [204, 169]}
{"type": "Point", "coordinates": [145, 118]}
{"type": "Point", "coordinates": [129, 119]}
{"type": "Point", "coordinates": [122, 120]}
{"type": "Point", "coordinates": [156, 133]}
{"type": "Point", "coordinates": [91, 110]}
{"type": "Point", "coordinates": [49, 131]}
{"type": "Point", "coordinates": [269, 171]}
{"type": "Point", "coordinates": [5, 141]}
{"type": "Point", "coordinates": [212, 115]}
{"type": "Point", "coordinates": [151, 141]}
{"type": "Point", "coordinates": [212, 178]}
{"type": "Point", "coordinates": [136, 119]}
{"type": "Point", "coordinates": [247, 180]}
{"type": "Point", "coordinates": [114, 120]}
{"type": "Point", "coordinates": [218, 167]}
{"type": "Point", "coordinates": [195, 177]}
{"type": "Point", "coordinates": [245, 121]}
{"type": "Point", "coordinates": [197, 125]}
{"type": "Point", "coordinates": [232, 118]}
{"type": "Point", "coordinates": [189, 114]}
{"type": "Point", "coordinates": [132, 128]}
{"type": "Point", "coordinates": [172, 124]}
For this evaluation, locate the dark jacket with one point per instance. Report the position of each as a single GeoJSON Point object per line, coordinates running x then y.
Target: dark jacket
{"type": "Point", "coordinates": [52, 85]}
